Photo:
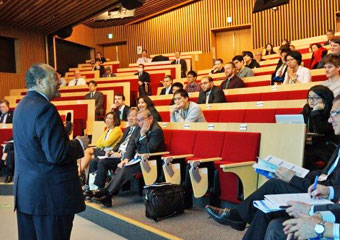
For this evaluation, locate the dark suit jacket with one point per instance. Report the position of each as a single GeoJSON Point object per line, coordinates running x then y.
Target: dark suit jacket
{"type": "Point", "coordinates": [101, 70]}
{"type": "Point", "coordinates": [46, 178]}
{"type": "Point", "coordinates": [133, 136]}
{"type": "Point", "coordinates": [216, 96]}
{"type": "Point", "coordinates": [153, 142]}
{"type": "Point", "coordinates": [9, 118]}
{"type": "Point", "coordinates": [279, 64]}
{"type": "Point", "coordinates": [145, 77]}
{"type": "Point", "coordinates": [183, 66]}
{"type": "Point", "coordinates": [332, 180]}
{"type": "Point", "coordinates": [164, 89]}
{"type": "Point", "coordinates": [125, 113]}
{"type": "Point", "coordinates": [235, 82]}
{"type": "Point", "coordinates": [99, 97]}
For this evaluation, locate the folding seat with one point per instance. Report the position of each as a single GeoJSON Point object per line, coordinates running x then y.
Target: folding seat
{"type": "Point", "coordinates": [232, 98]}
{"type": "Point", "coordinates": [182, 142]}
{"type": "Point", "coordinates": [165, 116]}
{"type": "Point", "coordinates": [211, 115]}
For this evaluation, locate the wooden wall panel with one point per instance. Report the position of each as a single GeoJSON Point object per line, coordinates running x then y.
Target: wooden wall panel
{"type": "Point", "coordinates": [31, 50]}
{"type": "Point", "coordinates": [188, 28]}
{"type": "Point", "coordinates": [83, 35]}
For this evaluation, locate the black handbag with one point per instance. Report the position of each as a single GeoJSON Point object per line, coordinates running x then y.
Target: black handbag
{"type": "Point", "coordinates": [163, 200]}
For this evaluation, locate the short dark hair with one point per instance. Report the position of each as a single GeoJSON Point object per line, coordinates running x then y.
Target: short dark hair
{"type": "Point", "coordinates": [209, 78]}
{"type": "Point", "coordinates": [193, 73]}
{"type": "Point", "coordinates": [331, 31]}
{"type": "Point", "coordinates": [133, 109]}
{"type": "Point", "coordinates": [219, 59]}
{"type": "Point", "coordinates": [141, 65]}
{"type": "Point", "coordinates": [144, 50]}
{"type": "Point", "coordinates": [5, 102]}
{"type": "Point", "coordinates": [168, 76]}
{"type": "Point", "coordinates": [116, 119]}
{"type": "Point", "coordinates": [238, 58]}
{"type": "Point", "coordinates": [120, 95]}
{"type": "Point", "coordinates": [182, 93]}
{"type": "Point", "coordinates": [178, 84]}
{"type": "Point", "coordinates": [99, 53]}
{"type": "Point", "coordinates": [231, 63]}
{"type": "Point", "coordinates": [284, 49]}
{"type": "Point", "coordinates": [332, 59]}
{"type": "Point", "coordinates": [318, 45]}
{"type": "Point", "coordinates": [288, 42]}
{"type": "Point", "coordinates": [296, 55]}
{"type": "Point", "coordinates": [93, 82]}
{"type": "Point", "coordinates": [336, 39]}
{"type": "Point", "coordinates": [97, 60]}
{"type": "Point", "coordinates": [147, 100]}
{"type": "Point", "coordinates": [249, 54]}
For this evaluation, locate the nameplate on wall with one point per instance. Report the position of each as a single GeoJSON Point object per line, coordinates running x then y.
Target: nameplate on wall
{"type": "Point", "coordinates": [259, 104]}
{"type": "Point", "coordinates": [211, 126]}
{"type": "Point", "coordinates": [208, 106]}
{"type": "Point", "coordinates": [274, 87]}
{"type": "Point", "coordinates": [243, 127]}
{"type": "Point", "coordinates": [164, 125]}
{"type": "Point", "coordinates": [186, 126]}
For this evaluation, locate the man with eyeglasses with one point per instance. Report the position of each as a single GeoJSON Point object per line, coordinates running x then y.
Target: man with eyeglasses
{"type": "Point", "coordinates": [210, 93]}
{"type": "Point", "coordinates": [184, 110]}
{"type": "Point", "coordinates": [335, 50]}
{"type": "Point", "coordinates": [285, 182]}
{"type": "Point", "coordinates": [332, 71]}
{"type": "Point", "coordinates": [149, 139]}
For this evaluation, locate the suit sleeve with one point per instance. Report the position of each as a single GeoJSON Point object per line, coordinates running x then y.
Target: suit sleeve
{"type": "Point", "coordinates": [116, 147]}
{"type": "Point", "coordinates": [219, 96]}
{"type": "Point", "coordinates": [184, 64]}
{"type": "Point", "coordinates": [239, 84]}
{"type": "Point", "coordinates": [55, 144]}
{"type": "Point", "coordinates": [100, 101]}
{"type": "Point", "coordinates": [151, 142]}
{"type": "Point", "coordinates": [201, 98]}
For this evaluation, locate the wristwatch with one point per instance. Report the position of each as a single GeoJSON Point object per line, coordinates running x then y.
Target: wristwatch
{"type": "Point", "coordinates": [319, 229]}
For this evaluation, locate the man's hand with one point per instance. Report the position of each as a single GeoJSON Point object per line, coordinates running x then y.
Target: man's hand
{"type": "Point", "coordinates": [116, 155]}
{"type": "Point", "coordinates": [321, 191]}
{"type": "Point", "coordinates": [297, 209]}
{"type": "Point", "coordinates": [113, 106]}
{"type": "Point", "coordinates": [319, 106]}
{"type": "Point", "coordinates": [284, 174]}
{"type": "Point", "coordinates": [140, 83]}
{"type": "Point", "coordinates": [85, 140]}
{"type": "Point", "coordinates": [301, 228]}
{"type": "Point", "coordinates": [122, 163]}
{"type": "Point", "coordinates": [173, 108]}
{"type": "Point", "coordinates": [145, 128]}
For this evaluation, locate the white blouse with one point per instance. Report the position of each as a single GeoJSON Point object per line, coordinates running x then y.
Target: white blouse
{"type": "Point", "coordinates": [303, 75]}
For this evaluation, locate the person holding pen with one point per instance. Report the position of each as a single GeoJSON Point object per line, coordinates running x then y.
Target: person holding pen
{"type": "Point", "coordinates": [285, 182]}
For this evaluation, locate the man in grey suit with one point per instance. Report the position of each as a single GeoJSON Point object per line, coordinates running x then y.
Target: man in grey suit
{"type": "Point", "coordinates": [47, 189]}
{"type": "Point", "coordinates": [97, 96]}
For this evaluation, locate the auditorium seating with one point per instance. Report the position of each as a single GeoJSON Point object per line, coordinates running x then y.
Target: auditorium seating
{"type": "Point", "coordinates": [114, 65]}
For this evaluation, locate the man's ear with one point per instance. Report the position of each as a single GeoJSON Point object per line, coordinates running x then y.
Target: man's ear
{"type": "Point", "coordinates": [40, 83]}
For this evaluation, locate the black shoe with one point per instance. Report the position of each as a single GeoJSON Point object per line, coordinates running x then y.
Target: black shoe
{"type": "Point", "coordinates": [88, 194]}
{"type": "Point", "coordinates": [99, 193]}
{"type": "Point", "coordinates": [10, 179]}
{"type": "Point", "coordinates": [105, 200]}
{"type": "Point", "coordinates": [6, 179]}
{"type": "Point", "coordinates": [224, 216]}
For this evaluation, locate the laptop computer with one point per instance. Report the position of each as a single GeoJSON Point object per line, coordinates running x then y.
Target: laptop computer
{"type": "Point", "coordinates": [290, 119]}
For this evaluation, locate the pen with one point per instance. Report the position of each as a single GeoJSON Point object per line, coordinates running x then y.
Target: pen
{"type": "Point", "coordinates": [315, 183]}
{"type": "Point", "coordinates": [284, 207]}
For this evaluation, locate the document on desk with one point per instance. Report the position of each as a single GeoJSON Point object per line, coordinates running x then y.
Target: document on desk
{"type": "Point", "coordinates": [277, 202]}
{"type": "Point", "coordinates": [271, 163]}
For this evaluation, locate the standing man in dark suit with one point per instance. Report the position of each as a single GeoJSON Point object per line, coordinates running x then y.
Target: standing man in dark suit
{"type": "Point", "coordinates": [183, 63]}
{"type": "Point", "coordinates": [120, 107]}
{"type": "Point", "coordinates": [210, 93]}
{"type": "Point", "coordinates": [6, 114]}
{"type": "Point", "coordinates": [119, 151]}
{"type": "Point", "coordinates": [167, 83]}
{"type": "Point", "coordinates": [287, 182]}
{"type": "Point", "coordinates": [47, 189]}
{"type": "Point", "coordinates": [149, 139]}
{"type": "Point", "coordinates": [143, 81]}
{"type": "Point", "coordinates": [97, 96]}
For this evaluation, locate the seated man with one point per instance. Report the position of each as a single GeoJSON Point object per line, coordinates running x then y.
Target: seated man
{"type": "Point", "coordinates": [330, 35]}
{"type": "Point", "coordinates": [334, 50]}
{"type": "Point", "coordinates": [108, 73]}
{"type": "Point", "coordinates": [183, 110]}
{"type": "Point", "coordinates": [258, 56]}
{"type": "Point", "coordinates": [118, 153]}
{"type": "Point", "coordinates": [218, 67]}
{"type": "Point", "coordinates": [6, 114]}
{"type": "Point", "coordinates": [249, 60]}
{"type": "Point", "coordinates": [209, 92]}
{"type": "Point", "coordinates": [232, 81]}
{"type": "Point", "coordinates": [167, 84]}
{"type": "Point", "coordinates": [144, 59]}
{"type": "Point", "coordinates": [97, 96]}
{"type": "Point", "coordinates": [183, 63]}
{"type": "Point", "coordinates": [97, 66]}
{"type": "Point", "coordinates": [150, 139]}
{"type": "Point", "coordinates": [192, 85]}
{"type": "Point", "coordinates": [176, 86]}
{"type": "Point", "coordinates": [77, 81]}
{"type": "Point", "coordinates": [287, 182]}
{"type": "Point", "coordinates": [100, 57]}
{"type": "Point", "coordinates": [332, 71]}
{"type": "Point", "coordinates": [241, 70]}
{"type": "Point", "coordinates": [143, 81]}
{"type": "Point", "coordinates": [119, 105]}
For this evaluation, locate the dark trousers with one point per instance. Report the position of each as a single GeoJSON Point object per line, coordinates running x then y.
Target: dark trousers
{"type": "Point", "coordinates": [103, 165]}
{"type": "Point", "coordinates": [122, 176]}
{"type": "Point", "coordinates": [246, 208]}
{"type": "Point", "coordinates": [9, 149]}
{"type": "Point", "coordinates": [44, 227]}
{"type": "Point", "coordinates": [275, 230]}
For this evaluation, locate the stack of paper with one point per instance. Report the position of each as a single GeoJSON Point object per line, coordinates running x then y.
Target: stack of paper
{"type": "Point", "coordinates": [277, 202]}
{"type": "Point", "coordinates": [270, 164]}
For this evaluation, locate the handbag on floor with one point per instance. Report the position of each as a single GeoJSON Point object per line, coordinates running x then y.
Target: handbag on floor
{"type": "Point", "coordinates": [163, 200]}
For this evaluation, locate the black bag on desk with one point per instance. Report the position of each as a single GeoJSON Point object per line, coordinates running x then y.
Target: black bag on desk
{"type": "Point", "coordinates": [163, 200]}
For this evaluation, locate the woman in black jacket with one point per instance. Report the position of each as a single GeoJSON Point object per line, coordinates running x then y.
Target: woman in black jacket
{"type": "Point", "coordinates": [320, 134]}
{"type": "Point", "coordinates": [146, 102]}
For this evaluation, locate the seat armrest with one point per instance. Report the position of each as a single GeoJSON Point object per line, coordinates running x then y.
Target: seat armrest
{"type": "Point", "coordinates": [179, 156]}
{"type": "Point", "coordinates": [239, 164]}
{"type": "Point", "coordinates": [203, 160]}
{"type": "Point", "coordinates": [153, 154]}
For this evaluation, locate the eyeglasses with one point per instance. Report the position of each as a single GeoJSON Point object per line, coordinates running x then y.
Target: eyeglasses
{"type": "Point", "coordinates": [290, 59]}
{"type": "Point", "coordinates": [142, 119]}
{"type": "Point", "coordinates": [333, 114]}
{"type": "Point", "coordinates": [313, 98]}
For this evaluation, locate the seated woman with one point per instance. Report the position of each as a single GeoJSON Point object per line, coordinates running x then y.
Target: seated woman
{"type": "Point", "coordinates": [318, 53]}
{"type": "Point", "coordinates": [320, 133]}
{"type": "Point", "coordinates": [106, 141]}
{"type": "Point", "coordinates": [146, 102]}
{"type": "Point", "coordinates": [269, 49]}
{"type": "Point", "coordinates": [295, 72]}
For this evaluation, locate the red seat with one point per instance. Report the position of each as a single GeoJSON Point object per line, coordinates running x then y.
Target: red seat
{"type": "Point", "coordinates": [208, 144]}
{"type": "Point", "coordinates": [272, 96]}
{"type": "Point", "coordinates": [212, 115]}
{"type": "Point", "coordinates": [182, 142]}
{"type": "Point", "coordinates": [231, 116]}
{"type": "Point", "coordinates": [252, 97]}
{"type": "Point", "coordinates": [259, 116]}
{"type": "Point", "coordinates": [299, 94]}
